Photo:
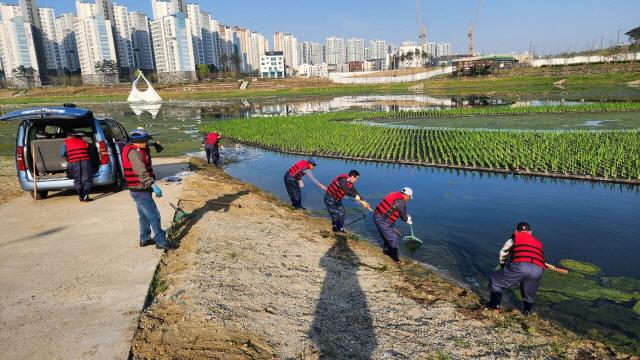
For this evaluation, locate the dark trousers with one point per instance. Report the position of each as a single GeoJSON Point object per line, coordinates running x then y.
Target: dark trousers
{"type": "Point", "coordinates": [82, 174]}
{"type": "Point", "coordinates": [213, 154]}
{"type": "Point", "coordinates": [336, 211]}
{"type": "Point", "coordinates": [149, 218]}
{"type": "Point", "coordinates": [387, 231]}
{"type": "Point", "coordinates": [293, 189]}
{"type": "Point", "coordinates": [528, 275]}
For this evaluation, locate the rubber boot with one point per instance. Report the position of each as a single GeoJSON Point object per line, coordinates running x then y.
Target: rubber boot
{"type": "Point", "coordinates": [393, 253]}
{"type": "Point", "coordinates": [494, 301]}
{"type": "Point", "coordinates": [527, 308]}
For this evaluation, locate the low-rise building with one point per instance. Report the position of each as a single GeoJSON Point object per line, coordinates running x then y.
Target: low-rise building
{"type": "Point", "coordinates": [272, 65]}
{"type": "Point", "coordinates": [482, 65]}
{"type": "Point", "coordinates": [355, 66]}
{"type": "Point", "coordinates": [315, 70]}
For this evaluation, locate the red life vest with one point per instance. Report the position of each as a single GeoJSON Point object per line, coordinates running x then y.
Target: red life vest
{"type": "Point", "coordinates": [77, 150]}
{"type": "Point", "coordinates": [335, 190]}
{"type": "Point", "coordinates": [130, 176]}
{"type": "Point", "coordinates": [212, 138]}
{"type": "Point", "coordinates": [386, 208]}
{"type": "Point", "coordinates": [527, 249]}
{"type": "Point", "coordinates": [297, 168]}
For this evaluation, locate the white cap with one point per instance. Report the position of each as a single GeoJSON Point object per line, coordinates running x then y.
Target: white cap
{"type": "Point", "coordinates": [407, 191]}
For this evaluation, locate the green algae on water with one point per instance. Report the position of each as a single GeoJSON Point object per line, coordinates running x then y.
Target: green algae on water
{"type": "Point", "coordinates": [636, 308]}
{"type": "Point", "coordinates": [622, 283]}
{"type": "Point", "coordinates": [581, 267]}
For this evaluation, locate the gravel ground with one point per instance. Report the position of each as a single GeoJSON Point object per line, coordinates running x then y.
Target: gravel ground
{"type": "Point", "coordinates": [256, 280]}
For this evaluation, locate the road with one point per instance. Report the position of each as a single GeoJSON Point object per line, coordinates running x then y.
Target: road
{"type": "Point", "coordinates": [72, 276]}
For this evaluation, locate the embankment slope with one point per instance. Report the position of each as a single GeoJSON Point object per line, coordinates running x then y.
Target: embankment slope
{"type": "Point", "coordinates": [255, 279]}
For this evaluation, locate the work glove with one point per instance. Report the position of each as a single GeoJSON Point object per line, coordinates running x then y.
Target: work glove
{"type": "Point", "coordinates": [300, 184]}
{"type": "Point", "coordinates": [324, 188]}
{"type": "Point", "coordinates": [409, 221]}
{"type": "Point", "coordinates": [158, 147]}
{"type": "Point", "coordinates": [157, 190]}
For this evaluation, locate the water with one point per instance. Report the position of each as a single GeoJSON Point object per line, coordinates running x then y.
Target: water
{"type": "Point", "coordinates": [465, 217]}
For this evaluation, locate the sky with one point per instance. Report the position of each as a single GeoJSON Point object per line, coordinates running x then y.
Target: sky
{"type": "Point", "coordinates": [503, 26]}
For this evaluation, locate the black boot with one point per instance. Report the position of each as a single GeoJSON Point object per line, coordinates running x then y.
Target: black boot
{"type": "Point", "coordinates": [527, 308]}
{"type": "Point", "coordinates": [494, 301]}
{"type": "Point", "coordinates": [393, 254]}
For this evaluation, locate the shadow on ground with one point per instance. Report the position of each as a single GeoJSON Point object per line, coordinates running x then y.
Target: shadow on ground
{"type": "Point", "coordinates": [343, 326]}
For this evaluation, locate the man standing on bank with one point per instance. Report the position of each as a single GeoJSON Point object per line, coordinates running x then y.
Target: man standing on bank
{"type": "Point", "coordinates": [293, 181]}
{"type": "Point", "coordinates": [211, 141]}
{"type": "Point", "coordinates": [392, 207]}
{"type": "Point", "coordinates": [342, 186]}
{"type": "Point", "coordinates": [79, 164]}
{"type": "Point", "coordinates": [522, 262]}
{"type": "Point", "coordinates": [139, 176]}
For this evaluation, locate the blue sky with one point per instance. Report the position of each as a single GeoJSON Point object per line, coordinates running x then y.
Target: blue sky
{"type": "Point", "coordinates": [503, 25]}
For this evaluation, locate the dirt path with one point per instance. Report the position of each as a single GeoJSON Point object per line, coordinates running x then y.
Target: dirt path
{"type": "Point", "coordinates": [9, 187]}
{"type": "Point", "coordinates": [257, 280]}
{"type": "Point", "coordinates": [72, 277]}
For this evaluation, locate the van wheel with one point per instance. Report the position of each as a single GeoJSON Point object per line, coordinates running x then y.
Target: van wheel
{"type": "Point", "coordinates": [39, 195]}
{"type": "Point", "coordinates": [118, 185]}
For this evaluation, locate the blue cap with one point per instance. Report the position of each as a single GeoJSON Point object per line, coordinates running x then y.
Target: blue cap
{"type": "Point", "coordinates": [140, 135]}
{"type": "Point", "coordinates": [312, 161]}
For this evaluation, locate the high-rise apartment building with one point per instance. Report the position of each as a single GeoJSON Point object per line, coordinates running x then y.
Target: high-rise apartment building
{"type": "Point", "coordinates": [278, 41]}
{"type": "Point", "coordinates": [141, 41]}
{"type": "Point", "coordinates": [377, 49]}
{"type": "Point", "coordinates": [65, 34]}
{"type": "Point", "coordinates": [124, 45]}
{"type": "Point", "coordinates": [17, 48]}
{"type": "Point", "coordinates": [50, 43]}
{"type": "Point", "coordinates": [259, 47]}
{"type": "Point", "coordinates": [173, 48]}
{"type": "Point", "coordinates": [204, 40]}
{"type": "Point", "coordinates": [162, 8]}
{"type": "Point", "coordinates": [96, 47]}
{"type": "Point", "coordinates": [335, 51]}
{"type": "Point", "coordinates": [288, 44]}
{"type": "Point", "coordinates": [355, 50]}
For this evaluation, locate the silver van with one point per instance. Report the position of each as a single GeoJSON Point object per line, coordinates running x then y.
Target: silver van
{"type": "Point", "coordinates": [40, 136]}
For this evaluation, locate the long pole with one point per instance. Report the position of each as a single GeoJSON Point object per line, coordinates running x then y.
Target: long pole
{"type": "Point", "coordinates": [35, 182]}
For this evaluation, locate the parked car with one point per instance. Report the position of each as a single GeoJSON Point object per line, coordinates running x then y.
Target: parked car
{"type": "Point", "coordinates": [40, 136]}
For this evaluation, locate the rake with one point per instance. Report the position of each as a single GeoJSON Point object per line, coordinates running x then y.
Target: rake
{"type": "Point", "coordinates": [179, 215]}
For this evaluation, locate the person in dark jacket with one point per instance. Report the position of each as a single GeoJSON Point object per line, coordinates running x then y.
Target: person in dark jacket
{"type": "Point", "coordinates": [140, 178]}
{"type": "Point", "coordinates": [293, 181]}
{"type": "Point", "coordinates": [79, 165]}
{"type": "Point", "coordinates": [342, 186]}
{"type": "Point", "coordinates": [522, 263]}
{"type": "Point", "coordinates": [390, 209]}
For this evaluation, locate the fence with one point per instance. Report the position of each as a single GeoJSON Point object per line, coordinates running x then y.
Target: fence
{"type": "Point", "coordinates": [347, 78]}
{"type": "Point", "coordinates": [586, 60]}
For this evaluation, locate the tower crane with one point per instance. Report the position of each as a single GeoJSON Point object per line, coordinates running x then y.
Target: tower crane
{"type": "Point", "coordinates": [472, 27]}
{"type": "Point", "coordinates": [423, 28]}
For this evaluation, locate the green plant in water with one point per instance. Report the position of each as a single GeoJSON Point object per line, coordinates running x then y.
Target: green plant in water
{"type": "Point", "coordinates": [622, 283]}
{"type": "Point", "coordinates": [581, 267]}
{"type": "Point", "coordinates": [636, 308]}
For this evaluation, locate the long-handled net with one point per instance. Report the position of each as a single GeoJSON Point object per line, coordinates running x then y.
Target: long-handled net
{"type": "Point", "coordinates": [412, 239]}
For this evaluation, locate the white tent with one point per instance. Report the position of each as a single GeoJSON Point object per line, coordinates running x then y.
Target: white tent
{"type": "Point", "coordinates": [148, 96]}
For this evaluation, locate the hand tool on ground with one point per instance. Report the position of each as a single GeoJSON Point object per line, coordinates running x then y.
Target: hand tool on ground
{"type": "Point", "coordinates": [180, 214]}
{"type": "Point", "coordinates": [358, 219]}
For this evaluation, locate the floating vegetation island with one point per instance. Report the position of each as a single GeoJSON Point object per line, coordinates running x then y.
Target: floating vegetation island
{"type": "Point", "coordinates": [610, 155]}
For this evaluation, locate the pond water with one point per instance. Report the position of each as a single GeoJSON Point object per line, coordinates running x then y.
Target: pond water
{"type": "Point", "coordinates": [465, 217]}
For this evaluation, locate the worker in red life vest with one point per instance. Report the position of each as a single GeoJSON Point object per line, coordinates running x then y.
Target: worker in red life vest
{"type": "Point", "coordinates": [522, 262]}
{"type": "Point", "coordinates": [140, 178]}
{"type": "Point", "coordinates": [211, 141]}
{"type": "Point", "coordinates": [79, 164]}
{"type": "Point", "coordinates": [390, 209]}
{"type": "Point", "coordinates": [293, 181]}
{"type": "Point", "coordinates": [342, 186]}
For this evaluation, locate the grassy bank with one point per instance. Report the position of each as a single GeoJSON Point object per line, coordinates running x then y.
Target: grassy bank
{"type": "Point", "coordinates": [593, 155]}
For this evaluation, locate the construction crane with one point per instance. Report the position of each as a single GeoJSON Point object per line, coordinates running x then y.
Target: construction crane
{"type": "Point", "coordinates": [423, 28]}
{"type": "Point", "coordinates": [472, 27]}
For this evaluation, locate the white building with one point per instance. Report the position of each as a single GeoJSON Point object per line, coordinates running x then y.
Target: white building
{"type": "Point", "coordinates": [272, 65]}
{"type": "Point", "coordinates": [65, 34]}
{"type": "Point", "coordinates": [204, 39]}
{"type": "Point", "coordinates": [141, 41]}
{"type": "Point", "coordinates": [355, 50]}
{"type": "Point", "coordinates": [377, 49]}
{"type": "Point", "coordinates": [335, 51]}
{"type": "Point", "coordinates": [96, 46]}
{"type": "Point", "coordinates": [278, 41]}
{"type": "Point", "coordinates": [409, 55]}
{"type": "Point", "coordinates": [288, 44]}
{"type": "Point", "coordinates": [17, 48]}
{"type": "Point", "coordinates": [173, 48]}
{"type": "Point", "coordinates": [31, 15]}
{"type": "Point", "coordinates": [162, 8]}
{"type": "Point", "coordinates": [123, 34]}
{"type": "Point", "coordinates": [313, 70]}
{"type": "Point", "coordinates": [259, 47]}
{"type": "Point", "coordinates": [55, 59]}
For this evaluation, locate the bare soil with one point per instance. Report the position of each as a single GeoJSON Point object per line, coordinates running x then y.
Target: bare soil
{"type": "Point", "coordinates": [255, 279]}
{"type": "Point", "coordinates": [9, 186]}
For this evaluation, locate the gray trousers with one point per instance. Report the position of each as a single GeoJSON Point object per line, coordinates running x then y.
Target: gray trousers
{"type": "Point", "coordinates": [336, 211]}
{"type": "Point", "coordinates": [528, 275]}
{"type": "Point", "coordinates": [293, 189]}
{"type": "Point", "coordinates": [387, 231]}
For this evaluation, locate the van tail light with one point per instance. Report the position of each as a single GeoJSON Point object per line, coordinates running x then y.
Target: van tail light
{"type": "Point", "coordinates": [104, 153]}
{"type": "Point", "coordinates": [20, 159]}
